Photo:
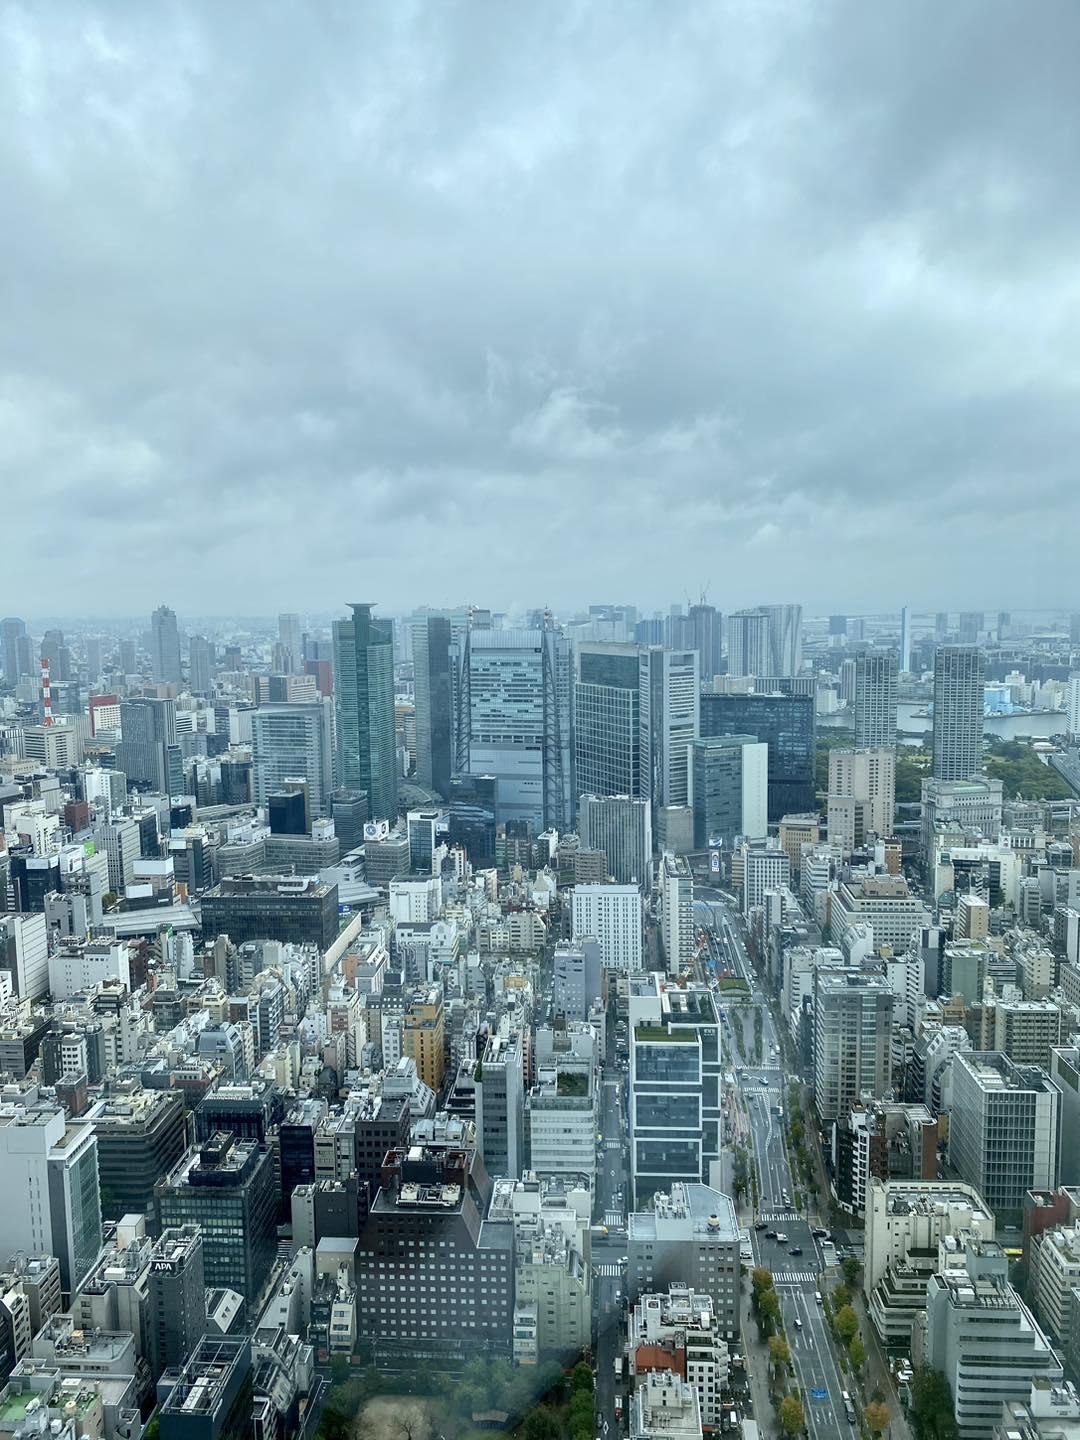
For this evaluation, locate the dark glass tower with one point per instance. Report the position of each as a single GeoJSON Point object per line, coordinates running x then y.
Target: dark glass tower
{"type": "Point", "coordinates": [364, 695]}
{"type": "Point", "coordinates": [431, 667]}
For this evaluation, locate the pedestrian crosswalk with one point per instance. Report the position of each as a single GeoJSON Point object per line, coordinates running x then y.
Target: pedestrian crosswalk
{"type": "Point", "coordinates": [609, 1269]}
{"type": "Point", "coordinates": [786, 1215]}
{"type": "Point", "coordinates": [614, 1219]}
{"type": "Point", "coordinates": [613, 1145]}
{"type": "Point", "coordinates": [792, 1277]}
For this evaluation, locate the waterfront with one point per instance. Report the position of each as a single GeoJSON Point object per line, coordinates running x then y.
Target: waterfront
{"type": "Point", "coordinates": [912, 721]}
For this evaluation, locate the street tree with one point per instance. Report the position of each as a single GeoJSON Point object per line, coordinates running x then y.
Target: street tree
{"type": "Point", "coordinates": [847, 1324]}
{"type": "Point", "coordinates": [877, 1417]}
{"type": "Point", "coordinates": [857, 1353]}
{"type": "Point", "coordinates": [792, 1418]}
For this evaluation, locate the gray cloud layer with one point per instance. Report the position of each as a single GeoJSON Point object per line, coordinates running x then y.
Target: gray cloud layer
{"type": "Point", "coordinates": [524, 303]}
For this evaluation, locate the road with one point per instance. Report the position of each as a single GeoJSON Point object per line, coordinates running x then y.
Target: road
{"type": "Point", "coordinates": [798, 1276]}
{"type": "Point", "coordinates": [609, 1273]}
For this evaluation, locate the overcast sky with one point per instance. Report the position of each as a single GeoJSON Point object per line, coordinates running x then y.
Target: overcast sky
{"type": "Point", "coordinates": [526, 303]}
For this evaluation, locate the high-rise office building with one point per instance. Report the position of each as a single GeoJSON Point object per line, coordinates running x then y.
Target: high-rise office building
{"type": "Point", "coordinates": [787, 724]}
{"type": "Point", "coordinates": [785, 639]}
{"type": "Point", "coordinates": [705, 635]}
{"type": "Point", "coordinates": [749, 648]}
{"type": "Point", "coordinates": [148, 753]}
{"type": "Point", "coordinates": [678, 933]}
{"type": "Point", "coordinates": [51, 1163]}
{"type": "Point", "coordinates": [971, 622]}
{"type": "Point", "coordinates": [1074, 629]}
{"type": "Point", "coordinates": [500, 1106]}
{"type": "Point", "coordinates": [577, 978]}
{"type": "Point", "coordinates": [200, 665]}
{"type": "Point", "coordinates": [431, 638]}
{"type": "Point", "coordinates": [364, 695]}
{"type": "Point", "coordinates": [57, 652]}
{"type": "Point", "coordinates": [611, 914]}
{"type": "Point", "coordinates": [165, 645]}
{"type": "Point", "coordinates": [226, 1187]}
{"type": "Point", "coordinates": [14, 649]}
{"type": "Point", "coordinates": [730, 789]}
{"type": "Point", "coordinates": [958, 711]}
{"type": "Point", "coordinates": [669, 718]}
{"type": "Point", "coordinates": [607, 738]}
{"type": "Point", "coordinates": [941, 627]}
{"type": "Point", "coordinates": [852, 1039]}
{"type": "Point", "coordinates": [513, 718]}
{"type": "Point", "coordinates": [423, 1036]}
{"type": "Point", "coordinates": [177, 1296]}
{"type": "Point", "coordinates": [1004, 1127]}
{"type": "Point", "coordinates": [875, 699]}
{"type": "Point", "coordinates": [291, 642]}
{"type": "Point", "coordinates": [862, 795]}
{"type": "Point", "coordinates": [620, 826]}
{"type": "Point", "coordinates": [473, 806]}
{"type": "Point", "coordinates": [293, 742]}
{"type": "Point", "coordinates": [1072, 707]}
{"type": "Point", "coordinates": [905, 640]}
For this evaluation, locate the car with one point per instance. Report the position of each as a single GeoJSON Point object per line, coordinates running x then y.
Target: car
{"type": "Point", "coordinates": [770, 1234]}
{"type": "Point", "coordinates": [819, 1234]}
{"type": "Point", "coordinates": [795, 1250]}
{"type": "Point", "coordinates": [798, 1323]}
{"type": "Point", "coordinates": [817, 1297]}
{"type": "Point", "coordinates": [761, 1224]}
{"type": "Point", "coordinates": [781, 1237]}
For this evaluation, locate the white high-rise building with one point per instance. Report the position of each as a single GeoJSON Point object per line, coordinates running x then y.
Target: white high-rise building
{"type": "Point", "coordinates": [291, 643]}
{"type": "Point", "coordinates": [958, 712]}
{"type": "Point", "coordinates": [51, 1163]}
{"type": "Point", "coordinates": [1073, 707]}
{"type": "Point", "coordinates": [294, 741]}
{"type": "Point", "coordinates": [852, 1039]}
{"type": "Point", "coordinates": [669, 713]}
{"type": "Point", "coordinates": [748, 643]}
{"type": "Point", "coordinates": [24, 954]}
{"type": "Point", "coordinates": [611, 914]}
{"type": "Point", "coordinates": [764, 870]}
{"type": "Point", "coordinates": [875, 699]}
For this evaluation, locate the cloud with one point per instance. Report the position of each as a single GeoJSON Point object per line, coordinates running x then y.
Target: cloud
{"type": "Point", "coordinates": [538, 305]}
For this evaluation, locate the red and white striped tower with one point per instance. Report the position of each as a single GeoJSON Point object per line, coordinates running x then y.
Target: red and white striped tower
{"type": "Point", "coordinates": [46, 692]}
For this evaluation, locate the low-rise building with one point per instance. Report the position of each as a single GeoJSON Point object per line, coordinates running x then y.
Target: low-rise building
{"type": "Point", "coordinates": [674, 1330]}
{"type": "Point", "coordinates": [690, 1236]}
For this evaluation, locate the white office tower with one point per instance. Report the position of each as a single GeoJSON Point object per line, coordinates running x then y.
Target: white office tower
{"type": "Point", "coordinates": [611, 914]}
{"type": "Point", "coordinates": [677, 931]}
{"type": "Point", "coordinates": [24, 954]}
{"type": "Point", "coordinates": [958, 711]}
{"type": "Point", "coordinates": [561, 1119]}
{"type": "Point", "coordinates": [577, 977]}
{"type": "Point", "coordinates": [785, 639]}
{"type": "Point", "coordinates": [852, 1039]}
{"type": "Point", "coordinates": [512, 718]}
{"type": "Point", "coordinates": [294, 741]}
{"type": "Point", "coordinates": [669, 718]}
{"type": "Point", "coordinates": [51, 1164]}
{"type": "Point", "coordinates": [1073, 708]}
{"type": "Point", "coordinates": [620, 826]}
{"type": "Point", "coordinates": [764, 870]}
{"type": "Point", "coordinates": [290, 643]}
{"type": "Point", "coordinates": [862, 795]}
{"type": "Point", "coordinates": [875, 699]}
{"type": "Point", "coordinates": [748, 643]}
{"type": "Point", "coordinates": [983, 1338]}
{"type": "Point", "coordinates": [1004, 1126]}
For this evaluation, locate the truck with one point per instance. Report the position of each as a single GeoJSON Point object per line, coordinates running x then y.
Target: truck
{"type": "Point", "coordinates": [618, 1407]}
{"type": "Point", "coordinates": [618, 1367]}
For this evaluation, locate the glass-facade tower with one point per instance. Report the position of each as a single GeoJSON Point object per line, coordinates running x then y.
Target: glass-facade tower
{"type": "Point", "coordinates": [364, 695]}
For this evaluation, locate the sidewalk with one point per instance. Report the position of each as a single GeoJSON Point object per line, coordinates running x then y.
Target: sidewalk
{"type": "Point", "coordinates": [877, 1371]}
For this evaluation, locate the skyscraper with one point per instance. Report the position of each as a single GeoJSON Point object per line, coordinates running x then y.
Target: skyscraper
{"type": "Point", "coordinates": [941, 626]}
{"type": "Point", "coordinates": [669, 700]}
{"type": "Point", "coordinates": [705, 637]}
{"type": "Point", "coordinates": [971, 622]}
{"type": "Point", "coordinates": [513, 715]}
{"type": "Point", "coordinates": [199, 665]}
{"type": "Point", "coordinates": [785, 639]}
{"type": "Point", "coordinates": [730, 789]}
{"type": "Point", "coordinates": [958, 711]}
{"type": "Point", "coordinates": [431, 635]}
{"type": "Point", "coordinates": [620, 826]}
{"type": "Point", "coordinates": [293, 742]}
{"type": "Point", "coordinates": [875, 699]}
{"type": "Point", "coordinates": [787, 724]}
{"type": "Point", "coordinates": [12, 631]}
{"type": "Point", "coordinates": [364, 695]}
{"type": "Point", "coordinates": [905, 640]}
{"type": "Point", "coordinates": [165, 645]}
{"type": "Point", "coordinates": [291, 642]}
{"type": "Point", "coordinates": [748, 643]}
{"type": "Point", "coordinates": [148, 753]}
{"type": "Point", "coordinates": [607, 740]}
